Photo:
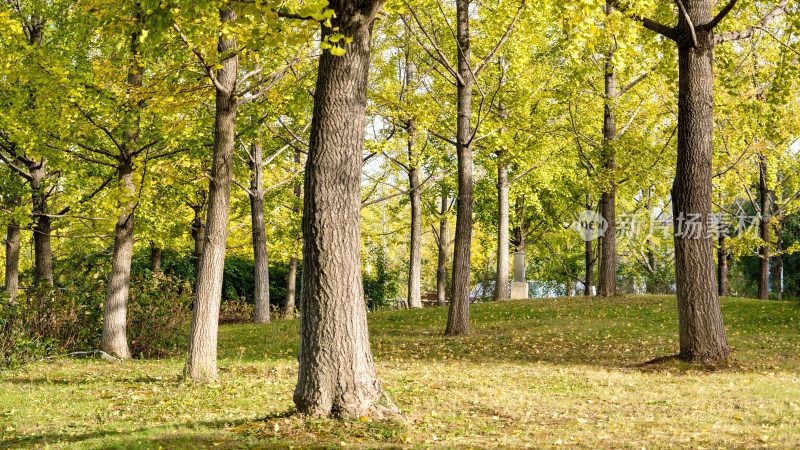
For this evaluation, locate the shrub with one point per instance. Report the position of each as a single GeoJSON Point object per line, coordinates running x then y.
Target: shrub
{"type": "Point", "coordinates": [47, 321]}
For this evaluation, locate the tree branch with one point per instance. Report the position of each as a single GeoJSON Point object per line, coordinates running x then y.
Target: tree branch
{"type": "Point", "coordinates": [776, 12]}
{"type": "Point", "coordinates": [650, 24]}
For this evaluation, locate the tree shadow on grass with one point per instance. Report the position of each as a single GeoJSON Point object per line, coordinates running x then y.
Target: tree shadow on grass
{"type": "Point", "coordinates": [167, 436]}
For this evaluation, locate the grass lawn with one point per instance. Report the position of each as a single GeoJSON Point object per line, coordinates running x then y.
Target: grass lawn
{"type": "Point", "coordinates": [539, 373]}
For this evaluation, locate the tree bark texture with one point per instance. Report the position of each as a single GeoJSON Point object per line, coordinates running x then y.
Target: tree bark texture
{"type": "Point", "coordinates": [701, 330]}
{"type": "Point", "coordinates": [43, 254]}
{"type": "Point", "coordinates": [261, 307]}
{"type": "Point", "coordinates": [114, 339]}
{"type": "Point", "coordinates": [336, 375]}
{"type": "Point", "coordinates": [201, 363]}
{"type": "Point", "coordinates": [12, 260]}
{"type": "Point", "coordinates": [458, 314]}
{"type": "Point", "coordinates": [503, 240]}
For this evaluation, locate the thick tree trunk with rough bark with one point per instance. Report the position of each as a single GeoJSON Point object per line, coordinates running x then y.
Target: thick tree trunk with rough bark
{"type": "Point", "coordinates": [701, 330]}
{"type": "Point", "coordinates": [43, 254]}
{"type": "Point", "coordinates": [155, 259]}
{"type": "Point", "coordinates": [722, 267]}
{"type": "Point", "coordinates": [201, 364]}
{"type": "Point", "coordinates": [12, 261]}
{"type": "Point", "coordinates": [115, 311]}
{"type": "Point", "coordinates": [607, 266]}
{"type": "Point", "coordinates": [441, 264]}
{"type": "Point", "coordinates": [336, 374]}
{"type": "Point", "coordinates": [458, 315]}
{"type": "Point", "coordinates": [763, 226]}
{"type": "Point", "coordinates": [261, 306]}
{"type": "Point", "coordinates": [503, 240]}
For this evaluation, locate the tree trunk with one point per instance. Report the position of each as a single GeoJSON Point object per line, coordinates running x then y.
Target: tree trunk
{"type": "Point", "coordinates": [201, 363]}
{"type": "Point", "coordinates": [441, 265]}
{"type": "Point", "coordinates": [12, 261]}
{"type": "Point", "coordinates": [701, 330]}
{"type": "Point", "coordinates": [414, 299]}
{"type": "Point", "coordinates": [336, 374]}
{"type": "Point", "coordinates": [458, 315]}
{"type": "Point", "coordinates": [607, 267]}
{"type": "Point", "coordinates": [43, 255]}
{"type": "Point", "coordinates": [155, 259]}
{"type": "Point", "coordinates": [722, 267]}
{"type": "Point", "coordinates": [777, 262]}
{"type": "Point", "coordinates": [199, 237]}
{"type": "Point", "coordinates": [503, 240]}
{"type": "Point", "coordinates": [415, 263]}
{"type": "Point", "coordinates": [588, 282]}
{"type": "Point", "coordinates": [261, 307]}
{"type": "Point", "coordinates": [114, 339]}
{"type": "Point", "coordinates": [763, 262]}
{"type": "Point", "coordinates": [291, 288]}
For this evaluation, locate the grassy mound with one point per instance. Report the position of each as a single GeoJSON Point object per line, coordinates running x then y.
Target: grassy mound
{"type": "Point", "coordinates": [537, 373]}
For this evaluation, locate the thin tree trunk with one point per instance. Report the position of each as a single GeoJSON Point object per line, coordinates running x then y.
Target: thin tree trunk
{"type": "Point", "coordinates": [199, 237]}
{"type": "Point", "coordinates": [607, 270]}
{"type": "Point", "coordinates": [261, 307]}
{"type": "Point", "coordinates": [201, 363]}
{"type": "Point", "coordinates": [415, 263]}
{"type": "Point", "coordinates": [458, 314]}
{"type": "Point", "coordinates": [291, 288]}
{"type": "Point", "coordinates": [43, 255]}
{"type": "Point", "coordinates": [336, 374]}
{"type": "Point", "coordinates": [588, 282]}
{"type": "Point", "coordinates": [155, 259]}
{"type": "Point", "coordinates": [763, 262]}
{"type": "Point", "coordinates": [441, 265]}
{"type": "Point", "coordinates": [12, 260]}
{"type": "Point", "coordinates": [722, 266]}
{"type": "Point", "coordinates": [777, 262]}
{"type": "Point", "coordinates": [414, 299]}
{"type": "Point", "coordinates": [114, 338]}
{"type": "Point", "coordinates": [503, 240]}
{"type": "Point", "coordinates": [701, 330]}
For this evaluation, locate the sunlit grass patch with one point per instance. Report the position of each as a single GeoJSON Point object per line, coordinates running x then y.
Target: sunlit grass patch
{"type": "Point", "coordinates": [537, 373]}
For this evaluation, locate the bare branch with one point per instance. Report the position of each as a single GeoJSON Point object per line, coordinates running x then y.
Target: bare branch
{"type": "Point", "coordinates": [776, 12]}
{"type": "Point", "coordinates": [650, 24]}
{"type": "Point", "coordinates": [482, 64]}
{"type": "Point", "coordinates": [721, 15]}
{"type": "Point", "coordinates": [688, 21]}
{"type": "Point", "coordinates": [206, 68]}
